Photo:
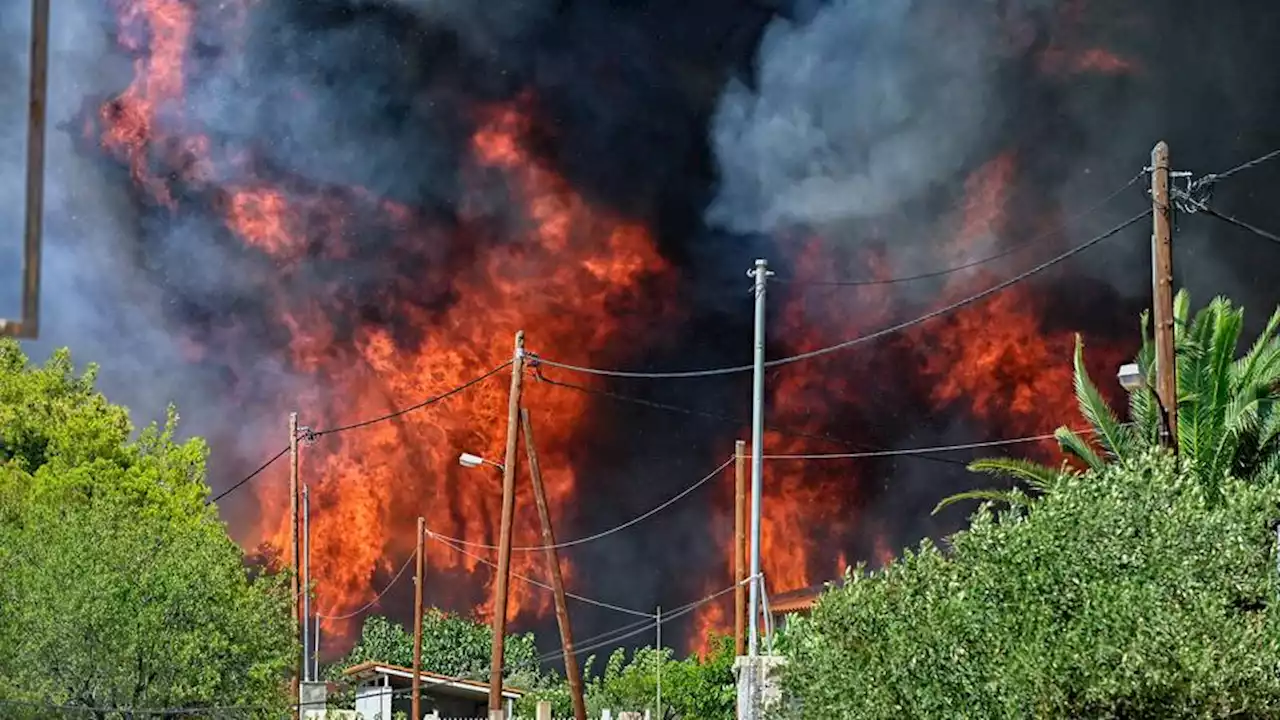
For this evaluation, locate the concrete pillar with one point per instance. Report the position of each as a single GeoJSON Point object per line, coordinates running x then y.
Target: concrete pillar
{"type": "Point", "coordinates": [759, 684]}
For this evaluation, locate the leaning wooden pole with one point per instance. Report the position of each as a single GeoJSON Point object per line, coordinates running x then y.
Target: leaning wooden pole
{"type": "Point", "coordinates": [553, 565]}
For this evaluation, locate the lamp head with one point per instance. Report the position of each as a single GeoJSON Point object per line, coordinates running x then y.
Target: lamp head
{"type": "Point", "coordinates": [467, 460]}
{"type": "Point", "coordinates": [1130, 377]}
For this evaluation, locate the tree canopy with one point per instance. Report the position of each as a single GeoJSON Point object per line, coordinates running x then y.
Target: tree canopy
{"type": "Point", "coordinates": [452, 645]}
{"type": "Point", "coordinates": [1131, 590]}
{"type": "Point", "coordinates": [693, 688]}
{"type": "Point", "coordinates": [119, 586]}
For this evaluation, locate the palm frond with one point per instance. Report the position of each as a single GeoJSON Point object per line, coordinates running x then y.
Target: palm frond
{"type": "Point", "coordinates": [1073, 444]}
{"type": "Point", "coordinates": [1033, 474]}
{"type": "Point", "coordinates": [1116, 438]}
{"type": "Point", "coordinates": [1008, 497]}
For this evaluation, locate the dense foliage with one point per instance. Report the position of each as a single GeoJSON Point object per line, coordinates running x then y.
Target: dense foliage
{"type": "Point", "coordinates": [695, 688]}
{"type": "Point", "coordinates": [1227, 410]}
{"type": "Point", "coordinates": [1131, 590]}
{"type": "Point", "coordinates": [452, 645]}
{"type": "Point", "coordinates": [119, 587]}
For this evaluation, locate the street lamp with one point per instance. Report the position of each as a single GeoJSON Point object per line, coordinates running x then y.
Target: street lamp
{"type": "Point", "coordinates": [1130, 377]}
{"type": "Point", "coordinates": [467, 460]}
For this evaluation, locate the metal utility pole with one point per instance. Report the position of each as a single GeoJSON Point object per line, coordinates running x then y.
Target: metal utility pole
{"type": "Point", "coordinates": [496, 711]}
{"type": "Point", "coordinates": [661, 657]}
{"type": "Point", "coordinates": [306, 583]}
{"type": "Point", "coordinates": [739, 546]}
{"type": "Point", "coordinates": [761, 274]}
{"type": "Point", "coordinates": [553, 565]}
{"type": "Point", "coordinates": [417, 620]}
{"type": "Point", "coordinates": [1162, 293]}
{"type": "Point", "coordinates": [293, 536]}
{"type": "Point", "coordinates": [33, 230]}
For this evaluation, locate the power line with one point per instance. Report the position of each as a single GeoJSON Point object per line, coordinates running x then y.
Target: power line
{"type": "Point", "coordinates": [311, 435]}
{"type": "Point", "coordinates": [604, 533]}
{"type": "Point", "coordinates": [429, 401]}
{"type": "Point", "coordinates": [952, 307]}
{"type": "Point", "coordinates": [250, 476]}
{"type": "Point", "coordinates": [1273, 237]}
{"type": "Point", "coordinates": [908, 451]}
{"type": "Point", "coordinates": [1215, 177]}
{"type": "Point", "coordinates": [448, 542]}
{"type": "Point", "coordinates": [740, 422]}
{"type": "Point", "coordinates": [375, 599]}
{"type": "Point", "coordinates": [1018, 247]}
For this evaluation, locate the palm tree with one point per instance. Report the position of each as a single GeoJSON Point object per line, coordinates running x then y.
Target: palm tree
{"type": "Point", "coordinates": [1228, 408]}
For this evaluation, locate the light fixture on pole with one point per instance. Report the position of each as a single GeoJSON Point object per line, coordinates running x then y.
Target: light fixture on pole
{"type": "Point", "coordinates": [467, 460]}
{"type": "Point", "coordinates": [1130, 377]}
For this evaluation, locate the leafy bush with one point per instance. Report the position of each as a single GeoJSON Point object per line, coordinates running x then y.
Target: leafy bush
{"type": "Point", "coordinates": [1129, 591]}
{"type": "Point", "coordinates": [119, 586]}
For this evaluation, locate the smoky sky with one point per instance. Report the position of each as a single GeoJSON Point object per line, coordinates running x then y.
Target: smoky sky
{"type": "Point", "coordinates": [726, 126]}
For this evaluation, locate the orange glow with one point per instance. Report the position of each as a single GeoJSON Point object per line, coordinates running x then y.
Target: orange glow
{"type": "Point", "coordinates": [570, 275]}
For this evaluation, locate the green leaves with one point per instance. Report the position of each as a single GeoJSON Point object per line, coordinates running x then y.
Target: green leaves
{"type": "Point", "coordinates": [452, 645]}
{"type": "Point", "coordinates": [1129, 591]}
{"type": "Point", "coordinates": [119, 588]}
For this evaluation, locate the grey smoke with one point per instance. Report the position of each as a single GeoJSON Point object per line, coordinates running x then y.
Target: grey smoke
{"type": "Point", "coordinates": [855, 110]}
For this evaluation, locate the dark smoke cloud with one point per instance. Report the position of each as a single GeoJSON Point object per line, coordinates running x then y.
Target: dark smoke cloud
{"type": "Point", "coordinates": [857, 109]}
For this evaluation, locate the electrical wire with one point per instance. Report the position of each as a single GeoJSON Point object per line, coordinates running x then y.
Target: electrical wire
{"type": "Point", "coordinates": [604, 533]}
{"type": "Point", "coordinates": [375, 599]}
{"type": "Point", "coordinates": [908, 451]}
{"type": "Point", "coordinates": [1215, 177]}
{"type": "Point", "coordinates": [740, 422]}
{"type": "Point", "coordinates": [311, 435]}
{"type": "Point", "coordinates": [429, 401]}
{"type": "Point", "coordinates": [444, 540]}
{"type": "Point", "coordinates": [1266, 234]}
{"type": "Point", "coordinates": [1018, 247]}
{"type": "Point", "coordinates": [952, 307]}
{"type": "Point", "coordinates": [249, 477]}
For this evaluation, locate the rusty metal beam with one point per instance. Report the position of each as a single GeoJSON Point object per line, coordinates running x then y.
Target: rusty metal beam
{"type": "Point", "coordinates": [33, 231]}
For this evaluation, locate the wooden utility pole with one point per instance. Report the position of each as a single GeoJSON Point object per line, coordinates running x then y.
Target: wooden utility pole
{"type": "Point", "coordinates": [417, 621]}
{"type": "Point", "coordinates": [739, 547]}
{"type": "Point", "coordinates": [496, 711]}
{"type": "Point", "coordinates": [294, 545]}
{"type": "Point", "coordinates": [1162, 294]}
{"type": "Point", "coordinates": [557, 580]}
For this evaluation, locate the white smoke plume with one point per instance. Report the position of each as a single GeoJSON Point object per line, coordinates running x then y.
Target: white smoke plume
{"type": "Point", "coordinates": [854, 110]}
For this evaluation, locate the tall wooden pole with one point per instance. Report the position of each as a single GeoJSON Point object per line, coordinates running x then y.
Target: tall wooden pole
{"type": "Point", "coordinates": [294, 545]}
{"type": "Point", "coordinates": [496, 711]}
{"type": "Point", "coordinates": [33, 229]}
{"type": "Point", "coordinates": [557, 580]}
{"type": "Point", "coordinates": [1162, 293]}
{"type": "Point", "coordinates": [739, 546]}
{"type": "Point", "coordinates": [417, 621]}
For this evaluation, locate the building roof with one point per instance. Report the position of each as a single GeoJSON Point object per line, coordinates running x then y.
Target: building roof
{"type": "Point", "coordinates": [368, 670]}
{"type": "Point", "coordinates": [801, 600]}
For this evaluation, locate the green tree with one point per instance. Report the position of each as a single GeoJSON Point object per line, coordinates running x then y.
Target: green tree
{"type": "Point", "coordinates": [692, 689]}
{"type": "Point", "coordinates": [1127, 591]}
{"type": "Point", "coordinates": [452, 645]}
{"type": "Point", "coordinates": [1228, 421]}
{"type": "Point", "coordinates": [119, 586]}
